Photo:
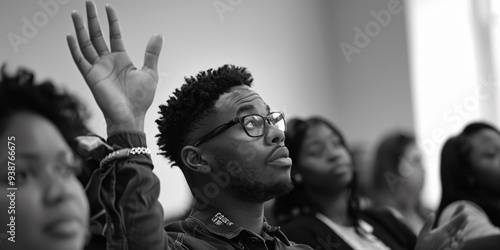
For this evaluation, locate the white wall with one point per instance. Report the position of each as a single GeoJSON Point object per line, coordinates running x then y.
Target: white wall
{"type": "Point", "coordinates": [373, 88]}
{"type": "Point", "coordinates": [451, 83]}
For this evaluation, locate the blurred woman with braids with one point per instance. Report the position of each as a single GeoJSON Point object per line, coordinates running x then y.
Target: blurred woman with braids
{"type": "Point", "coordinates": [323, 210]}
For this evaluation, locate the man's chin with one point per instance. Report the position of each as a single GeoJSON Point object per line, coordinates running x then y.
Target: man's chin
{"type": "Point", "coordinates": [261, 193]}
{"type": "Point", "coordinates": [280, 189]}
{"type": "Point", "coordinates": [286, 188]}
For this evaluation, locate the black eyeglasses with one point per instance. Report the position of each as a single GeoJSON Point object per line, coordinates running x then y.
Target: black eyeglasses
{"type": "Point", "coordinates": [254, 125]}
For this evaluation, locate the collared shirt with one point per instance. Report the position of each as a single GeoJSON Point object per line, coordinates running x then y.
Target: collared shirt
{"type": "Point", "coordinates": [210, 229]}
{"type": "Point", "coordinates": [129, 192]}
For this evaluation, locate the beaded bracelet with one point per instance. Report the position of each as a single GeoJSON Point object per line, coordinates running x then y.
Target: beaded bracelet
{"type": "Point", "coordinates": [122, 153]}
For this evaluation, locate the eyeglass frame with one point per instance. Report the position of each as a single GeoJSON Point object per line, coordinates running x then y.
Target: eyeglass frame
{"type": "Point", "coordinates": [238, 120]}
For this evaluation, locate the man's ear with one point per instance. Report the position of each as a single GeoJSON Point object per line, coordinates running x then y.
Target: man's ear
{"type": "Point", "coordinates": [193, 160]}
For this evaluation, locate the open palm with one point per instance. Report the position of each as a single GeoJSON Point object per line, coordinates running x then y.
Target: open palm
{"type": "Point", "coordinates": [123, 92]}
{"type": "Point", "coordinates": [448, 236]}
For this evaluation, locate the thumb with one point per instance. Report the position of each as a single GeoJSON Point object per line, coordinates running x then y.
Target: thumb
{"type": "Point", "coordinates": [427, 225]}
{"type": "Point", "coordinates": [153, 53]}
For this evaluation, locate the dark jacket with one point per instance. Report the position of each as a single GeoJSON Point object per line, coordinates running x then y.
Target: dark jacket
{"type": "Point", "coordinates": [307, 229]}
{"type": "Point", "coordinates": [129, 192]}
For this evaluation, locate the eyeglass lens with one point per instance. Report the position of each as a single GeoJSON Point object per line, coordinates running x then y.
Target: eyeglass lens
{"type": "Point", "coordinates": [254, 124]}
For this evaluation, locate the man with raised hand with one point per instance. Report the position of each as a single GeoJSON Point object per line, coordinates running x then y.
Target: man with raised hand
{"type": "Point", "coordinates": [221, 133]}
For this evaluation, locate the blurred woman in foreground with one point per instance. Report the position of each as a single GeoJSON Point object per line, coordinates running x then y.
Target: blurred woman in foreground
{"type": "Point", "coordinates": [49, 209]}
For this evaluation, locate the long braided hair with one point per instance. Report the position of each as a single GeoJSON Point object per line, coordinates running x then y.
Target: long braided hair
{"type": "Point", "coordinates": [297, 202]}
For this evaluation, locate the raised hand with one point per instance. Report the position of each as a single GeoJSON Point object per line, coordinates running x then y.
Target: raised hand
{"type": "Point", "coordinates": [123, 92]}
{"type": "Point", "coordinates": [449, 236]}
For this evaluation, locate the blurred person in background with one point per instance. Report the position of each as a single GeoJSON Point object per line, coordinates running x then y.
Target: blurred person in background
{"type": "Point", "coordinates": [398, 178]}
{"type": "Point", "coordinates": [323, 209]}
{"type": "Point", "coordinates": [470, 177]}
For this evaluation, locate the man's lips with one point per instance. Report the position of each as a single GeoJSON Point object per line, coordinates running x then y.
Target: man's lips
{"type": "Point", "coordinates": [280, 157]}
{"type": "Point", "coordinates": [281, 152]}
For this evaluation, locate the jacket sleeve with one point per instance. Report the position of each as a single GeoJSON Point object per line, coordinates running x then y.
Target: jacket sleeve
{"type": "Point", "coordinates": [129, 193]}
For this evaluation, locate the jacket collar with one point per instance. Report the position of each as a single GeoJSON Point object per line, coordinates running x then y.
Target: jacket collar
{"type": "Point", "coordinates": [217, 223]}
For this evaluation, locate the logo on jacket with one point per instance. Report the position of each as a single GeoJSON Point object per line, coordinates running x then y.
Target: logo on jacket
{"type": "Point", "coordinates": [220, 219]}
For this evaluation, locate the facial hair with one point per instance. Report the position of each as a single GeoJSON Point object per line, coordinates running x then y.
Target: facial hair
{"type": "Point", "coordinates": [245, 185]}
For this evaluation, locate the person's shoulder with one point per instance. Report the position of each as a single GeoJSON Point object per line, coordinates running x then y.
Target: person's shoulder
{"type": "Point", "coordinates": [388, 218]}
{"type": "Point", "coordinates": [185, 226]}
{"type": "Point", "coordinates": [389, 227]}
{"type": "Point", "coordinates": [186, 234]}
{"type": "Point", "coordinates": [189, 234]}
{"type": "Point", "coordinates": [384, 217]}
{"type": "Point", "coordinates": [301, 223]}
{"type": "Point", "coordinates": [303, 226]}
{"type": "Point", "coordinates": [311, 231]}
{"type": "Point", "coordinates": [300, 219]}
{"type": "Point", "coordinates": [385, 214]}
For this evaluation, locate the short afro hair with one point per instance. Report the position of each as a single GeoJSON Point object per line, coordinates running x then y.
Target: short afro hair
{"type": "Point", "coordinates": [191, 104]}
{"type": "Point", "coordinates": [19, 92]}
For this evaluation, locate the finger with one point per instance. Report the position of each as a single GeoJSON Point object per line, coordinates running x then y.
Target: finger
{"type": "Point", "coordinates": [444, 241]}
{"type": "Point", "coordinates": [455, 243]}
{"type": "Point", "coordinates": [427, 225]}
{"type": "Point", "coordinates": [460, 235]}
{"type": "Point", "coordinates": [456, 223]}
{"type": "Point", "coordinates": [459, 219]}
{"type": "Point", "coordinates": [459, 209]}
{"type": "Point", "coordinates": [461, 242]}
{"type": "Point", "coordinates": [445, 244]}
{"type": "Point", "coordinates": [95, 29]}
{"type": "Point", "coordinates": [83, 65]}
{"type": "Point", "coordinates": [115, 35]}
{"type": "Point", "coordinates": [153, 53]}
{"type": "Point", "coordinates": [458, 242]}
{"type": "Point", "coordinates": [86, 46]}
